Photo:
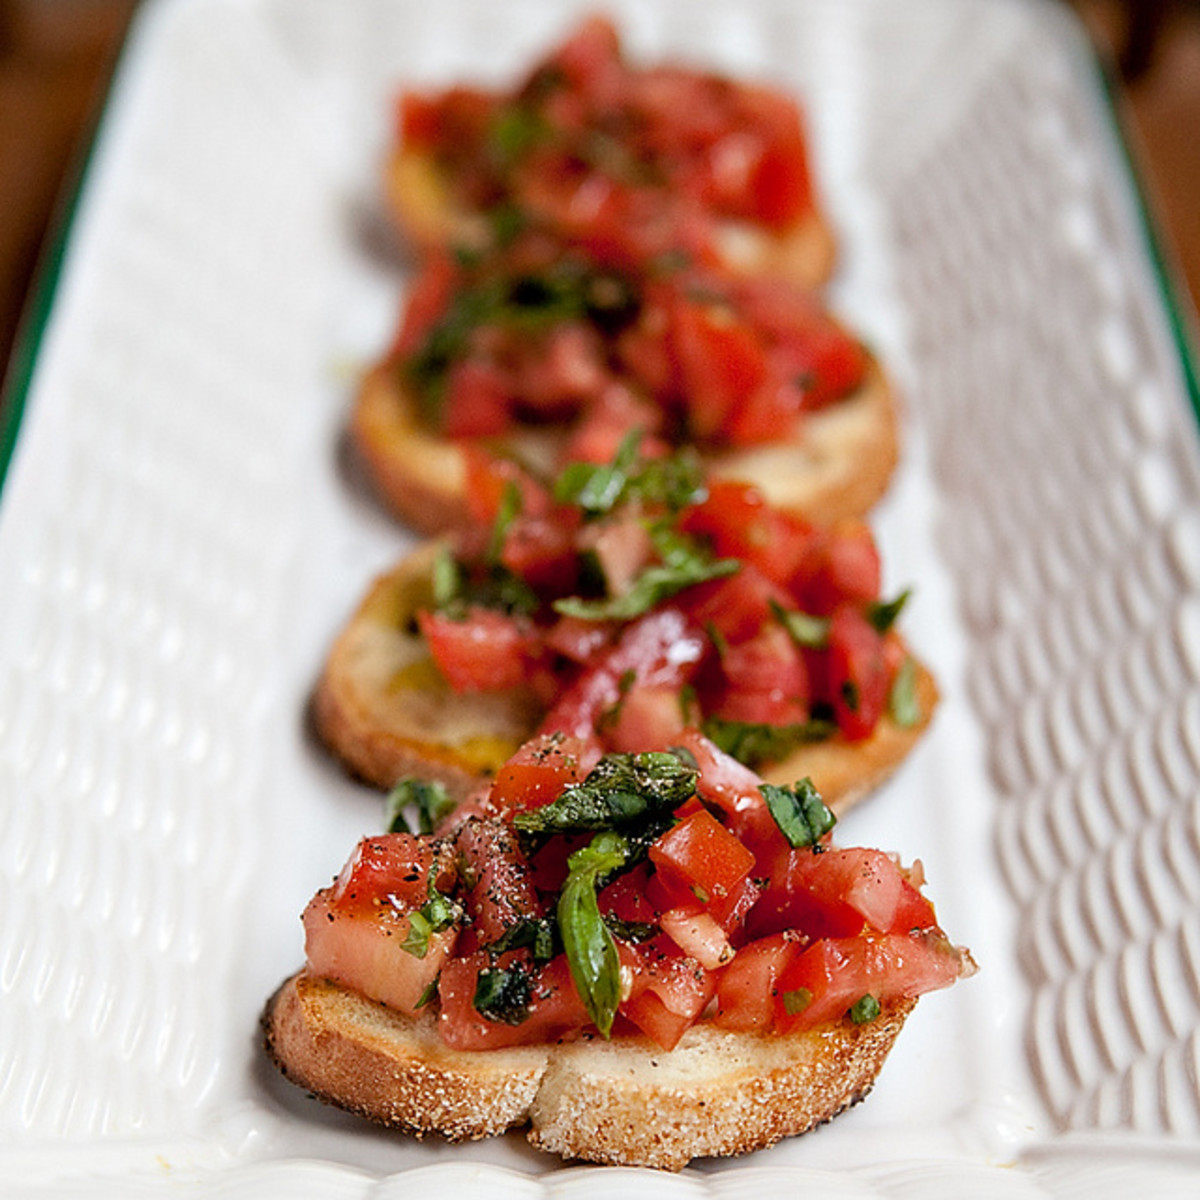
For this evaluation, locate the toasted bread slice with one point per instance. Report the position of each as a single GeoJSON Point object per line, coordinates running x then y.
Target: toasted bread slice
{"type": "Point", "coordinates": [836, 465]}
{"type": "Point", "coordinates": [624, 1101]}
{"type": "Point", "coordinates": [384, 710]}
{"type": "Point", "coordinates": [422, 206]}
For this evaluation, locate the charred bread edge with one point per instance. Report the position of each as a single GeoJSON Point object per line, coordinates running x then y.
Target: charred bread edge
{"type": "Point", "coordinates": [717, 1093]}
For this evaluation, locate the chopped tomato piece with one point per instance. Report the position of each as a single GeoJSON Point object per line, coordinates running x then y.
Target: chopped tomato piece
{"type": "Point", "coordinates": [702, 854]}
{"type": "Point", "coordinates": [477, 401]}
{"type": "Point", "coordinates": [842, 566]}
{"type": "Point", "coordinates": [668, 994]}
{"type": "Point", "coordinates": [539, 771]}
{"type": "Point", "coordinates": [498, 890]}
{"type": "Point", "coordinates": [746, 988]}
{"type": "Point", "coordinates": [484, 652]}
{"type": "Point", "coordinates": [858, 673]}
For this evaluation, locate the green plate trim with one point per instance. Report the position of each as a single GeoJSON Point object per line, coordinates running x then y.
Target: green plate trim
{"type": "Point", "coordinates": [31, 329]}
{"type": "Point", "coordinates": [1180, 314]}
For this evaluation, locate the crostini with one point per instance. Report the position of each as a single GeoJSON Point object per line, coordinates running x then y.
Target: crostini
{"type": "Point", "coordinates": [653, 960]}
{"type": "Point", "coordinates": [624, 604]}
{"type": "Point", "coordinates": [637, 161]}
{"type": "Point", "coordinates": [549, 355]}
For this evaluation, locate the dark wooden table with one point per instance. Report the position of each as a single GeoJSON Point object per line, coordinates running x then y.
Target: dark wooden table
{"type": "Point", "coordinates": [56, 56]}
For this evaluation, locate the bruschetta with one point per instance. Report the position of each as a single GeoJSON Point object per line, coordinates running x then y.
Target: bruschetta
{"type": "Point", "coordinates": [636, 161]}
{"type": "Point", "coordinates": [653, 960]}
{"type": "Point", "coordinates": [544, 354]}
{"type": "Point", "coordinates": [628, 603]}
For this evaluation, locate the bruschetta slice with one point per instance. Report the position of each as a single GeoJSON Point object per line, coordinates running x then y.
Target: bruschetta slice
{"type": "Point", "coordinates": [544, 354]}
{"type": "Point", "coordinates": [636, 161]}
{"type": "Point", "coordinates": [654, 960]}
{"type": "Point", "coordinates": [630, 603]}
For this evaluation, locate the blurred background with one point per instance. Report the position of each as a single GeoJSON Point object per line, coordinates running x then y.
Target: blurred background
{"type": "Point", "coordinates": [56, 57]}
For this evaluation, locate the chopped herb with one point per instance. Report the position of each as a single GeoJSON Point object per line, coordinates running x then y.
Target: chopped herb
{"type": "Point", "coordinates": [883, 613]}
{"type": "Point", "coordinates": [503, 994]}
{"type": "Point", "coordinates": [864, 1009]}
{"type": "Point", "coordinates": [621, 791]}
{"type": "Point", "coordinates": [509, 510]}
{"type": "Point", "coordinates": [514, 130]}
{"type": "Point", "coordinates": [633, 931]}
{"type": "Point", "coordinates": [805, 629]}
{"type": "Point", "coordinates": [754, 744]}
{"type": "Point", "coordinates": [799, 812]}
{"type": "Point", "coordinates": [796, 1001]}
{"type": "Point", "coordinates": [850, 696]}
{"type": "Point", "coordinates": [674, 482]}
{"type": "Point", "coordinates": [448, 579]}
{"type": "Point", "coordinates": [904, 706]}
{"type": "Point", "coordinates": [588, 943]}
{"type": "Point", "coordinates": [430, 798]}
{"type": "Point", "coordinates": [437, 914]}
{"type": "Point", "coordinates": [538, 934]}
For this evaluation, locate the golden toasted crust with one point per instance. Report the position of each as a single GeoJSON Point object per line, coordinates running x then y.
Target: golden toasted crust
{"type": "Point", "coordinates": [422, 207]}
{"type": "Point", "coordinates": [837, 464]}
{"type": "Point", "coordinates": [624, 1102]}
{"type": "Point", "coordinates": [384, 710]}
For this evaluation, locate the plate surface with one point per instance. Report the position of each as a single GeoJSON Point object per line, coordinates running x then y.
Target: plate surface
{"type": "Point", "coordinates": [180, 537]}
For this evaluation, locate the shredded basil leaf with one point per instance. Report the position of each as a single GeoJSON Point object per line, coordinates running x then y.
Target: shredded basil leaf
{"type": "Point", "coordinates": [805, 629]}
{"type": "Point", "coordinates": [590, 949]}
{"type": "Point", "coordinates": [800, 813]}
{"type": "Point", "coordinates": [620, 792]}
{"type": "Point", "coordinates": [883, 613]}
{"type": "Point", "coordinates": [904, 706]}
{"type": "Point", "coordinates": [796, 1001]}
{"type": "Point", "coordinates": [754, 744]}
{"type": "Point", "coordinates": [538, 934]}
{"type": "Point", "coordinates": [430, 798]}
{"type": "Point", "coordinates": [503, 994]}
{"type": "Point", "coordinates": [437, 914]}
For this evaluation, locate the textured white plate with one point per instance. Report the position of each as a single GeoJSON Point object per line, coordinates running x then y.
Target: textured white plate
{"type": "Point", "coordinates": [180, 537]}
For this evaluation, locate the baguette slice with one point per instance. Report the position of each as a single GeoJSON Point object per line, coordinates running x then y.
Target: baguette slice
{"type": "Point", "coordinates": [625, 1101]}
{"type": "Point", "coordinates": [423, 207]}
{"type": "Point", "coordinates": [383, 709]}
{"type": "Point", "coordinates": [837, 463]}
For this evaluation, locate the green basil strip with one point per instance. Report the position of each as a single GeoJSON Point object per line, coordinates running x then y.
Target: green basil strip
{"type": "Point", "coordinates": [804, 629]}
{"type": "Point", "coordinates": [622, 790]}
{"type": "Point", "coordinates": [883, 613]}
{"type": "Point", "coordinates": [799, 812]}
{"type": "Point", "coordinates": [796, 1001]}
{"type": "Point", "coordinates": [503, 994]}
{"type": "Point", "coordinates": [590, 948]}
{"type": "Point", "coordinates": [754, 744]}
{"type": "Point", "coordinates": [904, 706]}
{"type": "Point", "coordinates": [655, 584]}
{"type": "Point", "coordinates": [430, 798]}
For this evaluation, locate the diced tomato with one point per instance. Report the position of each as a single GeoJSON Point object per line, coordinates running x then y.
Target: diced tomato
{"type": "Point", "coordinates": [660, 649]}
{"type": "Point", "coordinates": [428, 297]}
{"type": "Point", "coordinates": [488, 478]}
{"type": "Point", "coordinates": [698, 934]}
{"type": "Point", "coordinates": [736, 606]}
{"type": "Point", "coordinates": [625, 897]}
{"type": "Point", "coordinates": [736, 519]}
{"type": "Point", "coordinates": [538, 772]}
{"type": "Point", "coordinates": [833, 974]}
{"type": "Point", "coordinates": [608, 420]}
{"type": "Point", "coordinates": [486, 651]}
{"type": "Point", "coordinates": [669, 992]}
{"type": "Point", "coordinates": [554, 1008]}
{"type": "Point", "coordinates": [622, 547]}
{"type": "Point", "coordinates": [459, 115]}
{"type": "Point", "coordinates": [579, 640]}
{"type": "Point", "coordinates": [646, 718]}
{"type": "Point", "coordinates": [477, 401]}
{"type": "Point", "coordinates": [836, 892]}
{"type": "Point", "coordinates": [541, 550]}
{"type": "Point", "coordinates": [356, 930]}
{"type": "Point", "coordinates": [858, 678]}
{"type": "Point", "coordinates": [734, 788]}
{"type": "Point", "coordinates": [763, 680]}
{"type": "Point", "coordinates": [498, 884]}
{"type": "Point", "coordinates": [842, 566]}
{"type": "Point", "coordinates": [746, 988]}
{"type": "Point", "coordinates": [721, 360]}
{"type": "Point", "coordinates": [703, 855]}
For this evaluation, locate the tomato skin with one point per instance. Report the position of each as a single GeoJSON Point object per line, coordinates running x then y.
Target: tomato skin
{"type": "Point", "coordinates": [736, 606]}
{"type": "Point", "coordinates": [486, 651]}
{"type": "Point", "coordinates": [746, 988]}
{"type": "Point", "coordinates": [842, 566]}
{"type": "Point", "coordinates": [498, 888]}
{"type": "Point", "coordinates": [858, 673]}
{"type": "Point", "coordinates": [660, 649]}
{"type": "Point", "coordinates": [538, 772]}
{"type": "Point", "coordinates": [703, 855]}
{"type": "Point", "coordinates": [399, 866]}
{"type": "Point", "coordinates": [837, 972]}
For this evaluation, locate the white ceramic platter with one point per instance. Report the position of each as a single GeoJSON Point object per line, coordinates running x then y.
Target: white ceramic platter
{"type": "Point", "coordinates": [180, 536]}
